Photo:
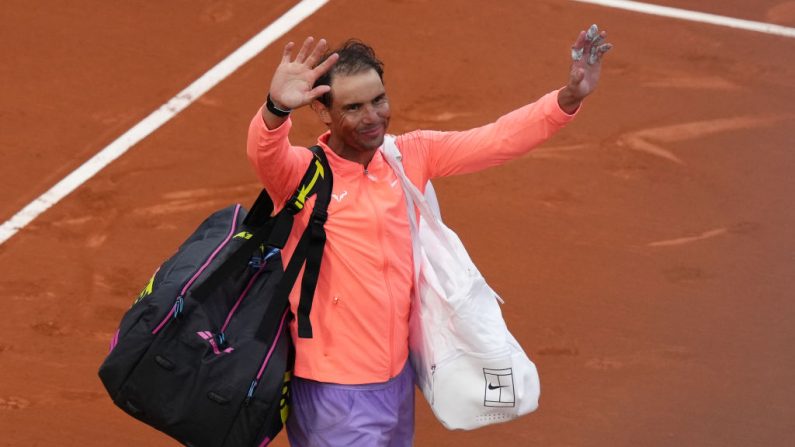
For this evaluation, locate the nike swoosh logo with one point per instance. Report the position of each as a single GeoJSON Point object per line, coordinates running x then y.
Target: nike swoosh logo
{"type": "Point", "coordinates": [492, 387]}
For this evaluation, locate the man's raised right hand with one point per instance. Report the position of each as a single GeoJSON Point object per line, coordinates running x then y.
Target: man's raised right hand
{"type": "Point", "coordinates": [291, 86]}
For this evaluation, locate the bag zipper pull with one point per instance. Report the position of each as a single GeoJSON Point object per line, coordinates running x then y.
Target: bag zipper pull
{"type": "Point", "coordinates": [250, 393]}
{"type": "Point", "coordinates": [179, 305]}
{"type": "Point", "coordinates": [256, 262]}
{"type": "Point", "coordinates": [220, 340]}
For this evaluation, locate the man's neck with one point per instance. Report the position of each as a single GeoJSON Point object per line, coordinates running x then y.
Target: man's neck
{"type": "Point", "coordinates": [363, 157]}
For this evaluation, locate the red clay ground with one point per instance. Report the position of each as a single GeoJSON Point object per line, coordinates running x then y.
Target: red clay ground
{"type": "Point", "coordinates": [645, 253]}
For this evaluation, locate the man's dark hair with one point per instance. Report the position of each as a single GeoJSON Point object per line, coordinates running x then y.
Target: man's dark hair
{"type": "Point", "coordinates": [355, 57]}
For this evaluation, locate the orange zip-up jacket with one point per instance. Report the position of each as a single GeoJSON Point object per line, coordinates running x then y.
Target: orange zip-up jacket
{"type": "Point", "coordinates": [360, 312]}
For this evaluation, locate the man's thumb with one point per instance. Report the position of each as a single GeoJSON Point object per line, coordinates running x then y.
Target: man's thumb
{"type": "Point", "coordinates": [577, 75]}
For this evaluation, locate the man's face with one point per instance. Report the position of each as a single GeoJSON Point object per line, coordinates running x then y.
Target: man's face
{"type": "Point", "coordinates": [359, 114]}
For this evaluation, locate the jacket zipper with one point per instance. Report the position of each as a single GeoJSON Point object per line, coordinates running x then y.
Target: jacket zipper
{"type": "Point", "coordinates": [385, 264]}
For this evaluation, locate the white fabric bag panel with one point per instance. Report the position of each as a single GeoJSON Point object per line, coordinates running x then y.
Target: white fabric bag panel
{"type": "Point", "coordinates": [469, 367]}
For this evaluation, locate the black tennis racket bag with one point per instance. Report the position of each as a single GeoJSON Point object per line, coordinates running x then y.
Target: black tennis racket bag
{"type": "Point", "coordinates": [204, 354]}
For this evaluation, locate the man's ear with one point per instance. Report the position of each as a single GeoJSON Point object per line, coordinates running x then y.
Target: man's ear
{"type": "Point", "coordinates": [322, 112]}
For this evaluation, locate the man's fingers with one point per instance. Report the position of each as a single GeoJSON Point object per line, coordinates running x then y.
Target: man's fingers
{"type": "Point", "coordinates": [301, 57]}
{"type": "Point", "coordinates": [590, 44]}
{"type": "Point", "coordinates": [317, 91]}
{"type": "Point", "coordinates": [598, 40]}
{"type": "Point", "coordinates": [580, 42]}
{"type": "Point", "coordinates": [592, 33]}
{"type": "Point", "coordinates": [317, 53]}
{"type": "Point", "coordinates": [578, 47]}
{"type": "Point", "coordinates": [326, 65]}
{"type": "Point", "coordinates": [598, 52]}
{"type": "Point", "coordinates": [593, 56]}
{"type": "Point", "coordinates": [602, 49]}
{"type": "Point", "coordinates": [288, 51]}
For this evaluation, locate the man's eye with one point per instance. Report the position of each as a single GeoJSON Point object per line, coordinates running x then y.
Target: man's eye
{"type": "Point", "coordinates": [353, 107]}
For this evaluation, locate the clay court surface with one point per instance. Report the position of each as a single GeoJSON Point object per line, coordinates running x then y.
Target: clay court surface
{"type": "Point", "coordinates": [646, 253]}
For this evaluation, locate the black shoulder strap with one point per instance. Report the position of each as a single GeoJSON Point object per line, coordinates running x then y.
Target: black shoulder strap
{"type": "Point", "coordinates": [317, 176]}
{"type": "Point", "coordinates": [309, 250]}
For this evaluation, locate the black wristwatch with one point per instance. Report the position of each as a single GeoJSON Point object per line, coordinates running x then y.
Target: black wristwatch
{"type": "Point", "coordinates": [275, 110]}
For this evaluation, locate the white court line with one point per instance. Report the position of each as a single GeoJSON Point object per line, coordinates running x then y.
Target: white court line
{"type": "Point", "coordinates": [694, 16]}
{"type": "Point", "coordinates": [160, 116]}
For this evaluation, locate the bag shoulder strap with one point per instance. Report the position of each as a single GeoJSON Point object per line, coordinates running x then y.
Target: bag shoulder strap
{"type": "Point", "coordinates": [309, 250]}
{"type": "Point", "coordinates": [394, 158]}
{"type": "Point", "coordinates": [276, 229]}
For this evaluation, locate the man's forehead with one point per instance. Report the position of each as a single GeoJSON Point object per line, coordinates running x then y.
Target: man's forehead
{"type": "Point", "coordinates": [356, 87]}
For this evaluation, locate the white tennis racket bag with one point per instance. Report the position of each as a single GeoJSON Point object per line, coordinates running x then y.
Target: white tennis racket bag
{"type": "Point", "coordinates": [470, 368]}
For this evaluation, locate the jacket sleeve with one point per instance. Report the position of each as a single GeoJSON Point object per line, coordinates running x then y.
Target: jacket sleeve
{"type": "Point", "coordinates": [442, 154]}
{"type": "Point", "coordinates": [278, 164]}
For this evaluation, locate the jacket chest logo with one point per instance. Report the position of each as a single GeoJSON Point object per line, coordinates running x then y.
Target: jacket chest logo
{"type": "Point", "coordinates": [340, 196]}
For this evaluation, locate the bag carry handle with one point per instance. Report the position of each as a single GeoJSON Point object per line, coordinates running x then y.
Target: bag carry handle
{"type": "Point", "coordinates": [260, 211]}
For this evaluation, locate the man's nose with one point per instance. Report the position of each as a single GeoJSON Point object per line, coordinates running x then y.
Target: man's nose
{"type": "Point", "coordinates": [370, 114]}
